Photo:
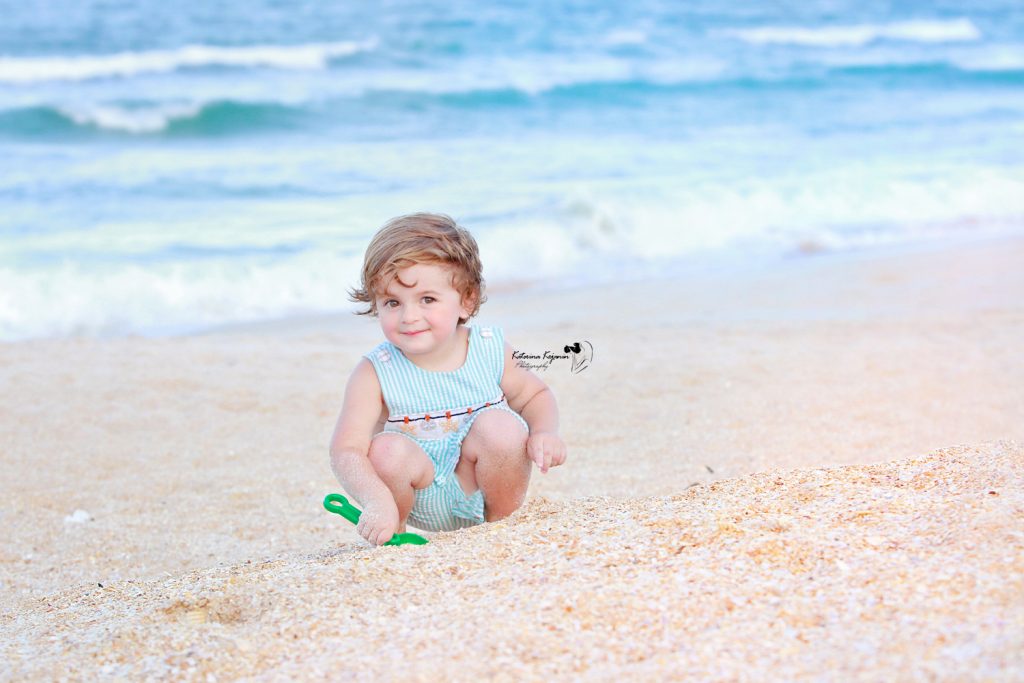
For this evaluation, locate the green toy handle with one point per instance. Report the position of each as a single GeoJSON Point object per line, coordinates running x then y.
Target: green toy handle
{"type": "Point", "coordinates": [339, 505]}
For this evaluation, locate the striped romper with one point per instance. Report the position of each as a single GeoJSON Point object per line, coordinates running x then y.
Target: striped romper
{"type": "Point", "coordinates": [436, 410]}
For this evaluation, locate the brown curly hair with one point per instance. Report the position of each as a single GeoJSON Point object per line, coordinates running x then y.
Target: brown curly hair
{"type": "Point", "coordinates": [421, 238]}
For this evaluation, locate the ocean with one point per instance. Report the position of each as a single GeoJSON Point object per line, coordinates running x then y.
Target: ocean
{"type": "Point", "coordinates": [168, 168]}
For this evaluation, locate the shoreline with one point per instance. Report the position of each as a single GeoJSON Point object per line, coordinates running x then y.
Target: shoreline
{"type": "Point", "coordinates": [733, 273]}
{"type": "Point", "coordinates": [739, 271]}
{"type": "Point", "coordinates": [713, 267]}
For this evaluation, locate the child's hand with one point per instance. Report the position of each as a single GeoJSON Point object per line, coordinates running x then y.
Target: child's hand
{"type": "Point", "coordinates": [379, 522]}
{"type": "Point", "coordinates": [547, 450]}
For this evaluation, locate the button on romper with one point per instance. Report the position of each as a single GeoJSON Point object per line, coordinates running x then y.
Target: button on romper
{"type": "Point", "coordinates": [436, 411]}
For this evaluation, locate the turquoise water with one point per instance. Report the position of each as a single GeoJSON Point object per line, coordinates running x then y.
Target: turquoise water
{"type": "Point", "coordinates": [168, 168]}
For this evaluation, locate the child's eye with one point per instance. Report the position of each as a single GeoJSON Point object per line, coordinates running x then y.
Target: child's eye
{"type": "Point", "coordinates": [390, 303]}
{"type": "Point", "coordinates": [429, 299]}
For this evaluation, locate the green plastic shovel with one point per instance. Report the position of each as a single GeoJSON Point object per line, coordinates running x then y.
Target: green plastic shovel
{"type": "Point", "coordinates": [339, 505]}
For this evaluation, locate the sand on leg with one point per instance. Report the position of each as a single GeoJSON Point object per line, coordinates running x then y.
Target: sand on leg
{"type": "Point", "coordinates": [494, 460]}
{"type": "Point", "coordinates": [403, 467]}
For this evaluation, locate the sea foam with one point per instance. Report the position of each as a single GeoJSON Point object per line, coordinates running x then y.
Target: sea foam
{"type": "Point", "coordinates": [132, 120]}
{"type": "Point", "coordinates": [851, 35]}
{"type": "Point", "coordinates": [167, 281]}
{"type": "Point", "coordinates": [79, 299]}
{"type": "Point", "coordinates": [125, 64]}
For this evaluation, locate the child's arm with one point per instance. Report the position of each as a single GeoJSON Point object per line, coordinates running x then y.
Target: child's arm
{"type": "Point", "coordinates": [529, 396]}
{"type": "Point", "coordinates": [360, 413]}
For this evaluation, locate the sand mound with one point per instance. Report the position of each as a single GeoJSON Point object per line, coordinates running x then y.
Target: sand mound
{"type": "Point", "coordinates": [909, 569]}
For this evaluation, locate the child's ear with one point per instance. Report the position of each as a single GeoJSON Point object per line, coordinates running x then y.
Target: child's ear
{"type": "Point", "coordinates": [468, 304]}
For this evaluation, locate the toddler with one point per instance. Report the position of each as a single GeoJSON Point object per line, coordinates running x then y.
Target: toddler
{"type": "Point", "coordinates": [439, 425]}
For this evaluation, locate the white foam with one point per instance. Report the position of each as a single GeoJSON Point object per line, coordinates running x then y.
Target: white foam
{"type": "Point", "coordinates": [853, 35]}
{"type": "Point", "coordinates": [534, 76]}
{"type": "Point", "coordinates": [551, 231]}
{"type": "Point", "coordinates": [126, 64]}
{"type": "Point", "coordinates": [529, 75]}
{"type": "Point", "coordinates": [149, 119]}
{"type": "Point", "coordinates": [75, 299]}
{"type": "Point", "coordinates": [992, 58]}
{"type": "Point", "coordinates": [842, 210]}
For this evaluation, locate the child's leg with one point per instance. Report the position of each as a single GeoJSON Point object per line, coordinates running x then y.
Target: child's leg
{"type": "Point", "coordinates": [403, 467]}
{"type": "Point", "coordinates": [494, 460]}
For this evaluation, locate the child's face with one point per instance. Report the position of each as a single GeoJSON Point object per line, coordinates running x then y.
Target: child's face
{"type": "Point", "coordinates": [421, 318]}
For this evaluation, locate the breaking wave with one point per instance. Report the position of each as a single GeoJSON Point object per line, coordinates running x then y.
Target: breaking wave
{"type": "Point", "coordinates": [22, 70]}
{"type": "Point", "coordinates": [852, 35]}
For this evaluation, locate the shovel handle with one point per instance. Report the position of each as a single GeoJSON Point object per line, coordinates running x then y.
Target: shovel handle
{"type": "Point", "coordinates": [339, 505]}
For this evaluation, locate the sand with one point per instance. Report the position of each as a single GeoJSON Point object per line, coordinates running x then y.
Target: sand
{"type": "Point", "coordinates": [807, 471]}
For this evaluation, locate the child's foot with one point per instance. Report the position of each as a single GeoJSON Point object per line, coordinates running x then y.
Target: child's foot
{"type": "Point", "coordinates": [379, 521]}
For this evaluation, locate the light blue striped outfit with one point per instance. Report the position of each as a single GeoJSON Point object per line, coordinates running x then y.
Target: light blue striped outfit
{"type": "Point", "coordinates": [436, 410]}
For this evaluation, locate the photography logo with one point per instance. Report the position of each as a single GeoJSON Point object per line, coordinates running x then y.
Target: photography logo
{"type": "Point", "coordinates": [582, 353]}
{"type": "Point", "coordinates": [579, 354]}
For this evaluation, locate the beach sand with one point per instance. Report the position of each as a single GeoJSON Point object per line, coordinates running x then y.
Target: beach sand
{"type": "Point", "coordinates": [810, 470]}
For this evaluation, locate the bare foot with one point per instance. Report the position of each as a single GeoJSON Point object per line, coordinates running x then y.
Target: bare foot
{"type": "Point", "coordinates": [379, 520]}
